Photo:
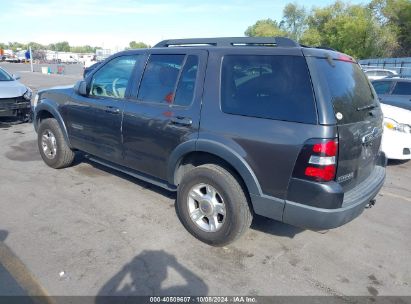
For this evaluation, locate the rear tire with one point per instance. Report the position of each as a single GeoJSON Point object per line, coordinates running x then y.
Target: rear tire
{"type": "Point", "coordinates": [212, 205]}
{"type": "Point", "coordinates": [52, 145]}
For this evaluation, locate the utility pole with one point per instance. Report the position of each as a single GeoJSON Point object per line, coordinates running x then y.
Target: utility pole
{"type": "Point", "coordinates": [31, 60]}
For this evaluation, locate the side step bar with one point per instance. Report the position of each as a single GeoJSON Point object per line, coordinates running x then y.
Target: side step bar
{"type": "Point", "coordinates": [136, 174]}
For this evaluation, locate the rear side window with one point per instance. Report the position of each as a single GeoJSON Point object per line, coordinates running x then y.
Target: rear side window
{"type": "Point", "coordinates": [160, 78]}
{"type": "Point", "coordinates": [402, 88]}
{"type": "Point", "coordinates": [346, 86]}
{"type": "Point", "coordinates": [272, 87]}
{"type": "Point", "coordinates": [382, 87]}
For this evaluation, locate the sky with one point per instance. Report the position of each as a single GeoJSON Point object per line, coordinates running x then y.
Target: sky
{"type": "Point", "coordinates": [114, 23]}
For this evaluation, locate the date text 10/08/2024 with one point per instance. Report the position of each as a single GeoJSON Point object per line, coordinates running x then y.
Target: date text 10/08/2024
{"type": "Point", "coordinates": [233, 299]}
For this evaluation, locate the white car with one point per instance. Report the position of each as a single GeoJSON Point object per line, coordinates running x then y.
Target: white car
{"type": "Point", "coordinates": [396, 138]}
{"type": "Point", "coordinates": [14, 96]}
{"type": "Point", "coordinates": [375, 74]}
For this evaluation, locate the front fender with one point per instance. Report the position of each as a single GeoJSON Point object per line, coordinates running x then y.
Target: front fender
{"type": "Point", "coordinates": [51, 107]}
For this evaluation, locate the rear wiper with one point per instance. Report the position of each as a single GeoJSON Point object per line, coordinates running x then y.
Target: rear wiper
{"type": "Point", "coordinates": [368, 107]}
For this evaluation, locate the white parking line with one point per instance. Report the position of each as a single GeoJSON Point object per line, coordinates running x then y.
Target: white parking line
{"type": "Point", "coordinates": [23, 276]}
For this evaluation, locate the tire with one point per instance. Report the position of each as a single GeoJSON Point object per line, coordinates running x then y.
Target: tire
{"type": "Point", "coordinates": [60, 157]}
{"type": "Point", "coordinates": [203, 182]}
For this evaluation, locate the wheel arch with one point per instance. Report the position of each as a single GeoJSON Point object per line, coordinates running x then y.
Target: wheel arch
{"type": "Point", "coordinates": [47, 109]}
{"type": "Point", "coordinates": [195, 153]}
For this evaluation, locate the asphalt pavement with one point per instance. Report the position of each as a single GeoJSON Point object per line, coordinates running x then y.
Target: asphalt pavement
{"type": "Point", "coordinates": [36, 80]}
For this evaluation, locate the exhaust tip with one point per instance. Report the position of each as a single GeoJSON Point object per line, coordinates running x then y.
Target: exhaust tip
{"type": "Point", "coordinates": [371, 203]}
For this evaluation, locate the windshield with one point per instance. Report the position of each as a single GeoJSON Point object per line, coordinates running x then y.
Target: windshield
{"type": "Point", "coordinates": [345, 84]}
{"type": "Point", "coordinates": [4, 76]}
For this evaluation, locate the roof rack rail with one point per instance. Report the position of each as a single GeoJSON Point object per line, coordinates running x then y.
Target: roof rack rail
{"type": "Point", "coordinates": [230, 41]}
{"type": "Point", "coordinates": [319, 47]}
{"type": "Point", "coordinates": [325, 48]}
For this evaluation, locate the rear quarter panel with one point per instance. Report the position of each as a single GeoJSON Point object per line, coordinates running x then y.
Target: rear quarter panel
{"type": "Point", "coordinates": [270, 147]}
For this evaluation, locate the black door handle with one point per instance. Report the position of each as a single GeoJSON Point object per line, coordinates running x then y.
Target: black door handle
{"type": "Point", "coordinates": [182, 121]}
{"type": "Point", "coordinates": [113, 110]}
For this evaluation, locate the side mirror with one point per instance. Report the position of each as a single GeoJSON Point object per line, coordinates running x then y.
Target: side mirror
{"type": "Point", "coordinates": [15, 76]}
{"type": "Point", "coordinates": [81, 88]}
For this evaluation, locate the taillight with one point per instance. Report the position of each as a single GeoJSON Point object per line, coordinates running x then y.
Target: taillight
{"type": "Point", "coordinates": [329, 148]}
{"type": "Point", "coordinates": [326, 173]}
{"type": "Point", "coordinates": [317, 160]}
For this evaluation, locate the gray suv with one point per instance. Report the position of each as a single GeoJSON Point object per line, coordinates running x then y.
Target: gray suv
{"type": "Point", "coordinates": [236, 126]}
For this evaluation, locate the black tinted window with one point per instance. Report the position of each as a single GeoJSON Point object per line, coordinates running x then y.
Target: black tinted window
{"type": "Point", "coordinates": [402, 88]}
{"type": "Point", "coordinates": [382, 87]}
{"type": "Point", "coordinates": [160, 78]}
{"type": "Point", "coordinates": [112, 79]}
{"type": "Point", "coordinates": [273, 87]}
{"type": "Point", "coordinates": [186, 84]}
{"type": "Point", "coordinates": [347, 87]}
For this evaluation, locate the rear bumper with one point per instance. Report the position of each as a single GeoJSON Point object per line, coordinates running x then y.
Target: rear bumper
{"type": "Point", "coordinates": [353, 205]}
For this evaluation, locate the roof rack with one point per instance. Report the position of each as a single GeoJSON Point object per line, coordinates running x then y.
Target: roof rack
{"type": "Point", "coordinates": [325, 48]}
{"type": "Point", "coordinates": [319, 47]}
{"type": "Point", "coordinates": [230, 41]}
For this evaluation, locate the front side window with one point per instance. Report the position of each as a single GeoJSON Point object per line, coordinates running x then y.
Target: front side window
{"type": "Point", "coordinates": [382, 87]}
{"type": "Point", "coordinates": [272, 87]}
{"type": "Point", "coordinates": [402, 88]}
{"type": "Point", "coordinates": [160, 78]}
{"type": "Point", "coordinates": [112, 79]}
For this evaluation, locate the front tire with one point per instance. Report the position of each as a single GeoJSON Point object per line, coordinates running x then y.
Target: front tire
{"type": "Point", "coordinates": [212, 205]}
{"type": "Point", "coordinates": [52, 146]}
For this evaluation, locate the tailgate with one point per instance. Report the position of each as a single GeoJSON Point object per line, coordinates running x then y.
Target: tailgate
{"type": "Point", "coordinates": [358, 115]}
{"type": "Point", "coordinates": [359, 145]}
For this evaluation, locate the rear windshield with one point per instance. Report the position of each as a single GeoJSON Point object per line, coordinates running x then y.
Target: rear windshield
{"type": "Point", "coordinates": [345, 84]}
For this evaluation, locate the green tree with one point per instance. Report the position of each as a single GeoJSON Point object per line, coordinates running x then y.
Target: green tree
{"type": "Point", "coordinates": [265, 28]}
{"type": "Point", "coordinates": [395, 15]}
{"type": "Point", "coordinates": [138, 45]}
{"type": "Point", "coordinates": [352, 29]}
{"type": "Point", "coordinates": [83, 49]}
{"type": "Point", "coordinates": [294, 20]}
{"type": "Point", "coordinates": [36, 46]}
{"type": "Point", "coordinates": [15, 46]}
{"type": "Point", "coordinates": [63, 46]}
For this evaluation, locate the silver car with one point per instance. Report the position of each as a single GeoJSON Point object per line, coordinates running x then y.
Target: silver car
{"type": "Point", "coordinates": [375, 74]}
{"type": "Point", "coordinates": [14, 96]}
